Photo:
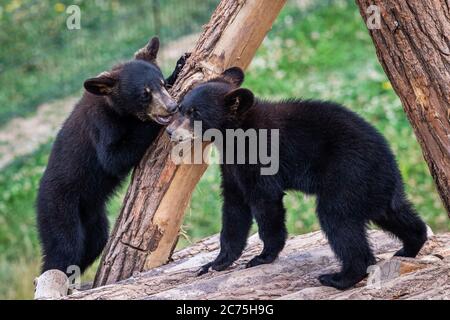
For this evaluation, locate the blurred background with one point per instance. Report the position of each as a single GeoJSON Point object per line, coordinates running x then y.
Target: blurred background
{"type": "Point", "coordinates": [316, 49]}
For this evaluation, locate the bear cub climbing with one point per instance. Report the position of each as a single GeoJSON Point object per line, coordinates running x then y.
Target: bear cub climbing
{"type": "Point", "coordinates": [119, 116]}
{"type": "Point", "coordinates": [325, 150]}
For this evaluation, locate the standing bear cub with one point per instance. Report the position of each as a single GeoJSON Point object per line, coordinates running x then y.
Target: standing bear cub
{"type": "Point", "coordinates": [325, 150]}
{"type": "Point", "coordinates": [106, 135]}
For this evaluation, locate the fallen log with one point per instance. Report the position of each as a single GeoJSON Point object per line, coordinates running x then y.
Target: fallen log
{"type": "Point", "coordinates": [292, 276]}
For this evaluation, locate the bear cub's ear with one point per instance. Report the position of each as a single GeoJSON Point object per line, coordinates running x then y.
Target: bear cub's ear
{"type": "Point", "coordinates": [102, 85]}
{"type": "Point", "coordinates": [239, 101]}
{"type": "Point", "coordinates": [149, 52]}
{"type": "Point", "coordinates": [235, 75]}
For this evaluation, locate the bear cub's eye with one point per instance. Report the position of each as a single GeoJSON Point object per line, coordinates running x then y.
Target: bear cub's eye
{"type": "Point", "coordinates": [147, 92]}
{"type": "Point", "coordinates": [191, 111]}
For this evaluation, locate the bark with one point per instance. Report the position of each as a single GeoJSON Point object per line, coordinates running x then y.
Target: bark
{"type": "Point", "coordinates": [413, 46]}
{"type": "Point", "coordinates": [147, 229]}
{"type": "Point", "coordinates": [292, 276]}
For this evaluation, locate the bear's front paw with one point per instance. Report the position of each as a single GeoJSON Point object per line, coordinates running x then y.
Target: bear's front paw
{"type": "Point", "coordinates": [261, 259]}
{"type": "Point", "coordinates": [204, 269]}
{"type": "Point", "coordinates": [215, 265]}
{"type": "Point", "coordinates": [180, 64]}
{"type": "Point", "coordinates": [182, 61]}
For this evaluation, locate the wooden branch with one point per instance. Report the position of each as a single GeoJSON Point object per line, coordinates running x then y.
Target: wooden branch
{"type": "Point", "coordinates": [147, 229]}
{"type": "Point", "coordinates": [292, 276]}
{"type": "Point", "coordinates": [413, 46]}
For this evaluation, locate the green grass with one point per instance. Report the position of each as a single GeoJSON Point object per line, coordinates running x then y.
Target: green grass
{"type": "Point", "coordinates": [324, 53]}
{"type": "Point", "coordinates": [19, 246]}
{"type": "Point", "coordinates": [40, 59]}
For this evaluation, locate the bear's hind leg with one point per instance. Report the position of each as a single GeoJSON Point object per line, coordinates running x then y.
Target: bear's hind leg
{"type": "Point", "coordinates": [96, 235]}
{"type": "Point", "coordinates": [405, 224]}
{"type": "Point", "coordinates": [347, 237]}
{"type": "Point", "coordinates": [61, 233]}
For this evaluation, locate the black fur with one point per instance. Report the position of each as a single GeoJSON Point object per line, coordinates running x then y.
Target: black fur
{"type": "Point", "coordinates": [325, 150]}
{"type": "Point", "coordinates": [104, 137]}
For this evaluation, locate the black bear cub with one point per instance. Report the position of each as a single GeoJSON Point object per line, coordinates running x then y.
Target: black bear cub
{"type": "Point", "coordinates": [119, 116]}
{"type": "Point", "coordinates": [324, 149]}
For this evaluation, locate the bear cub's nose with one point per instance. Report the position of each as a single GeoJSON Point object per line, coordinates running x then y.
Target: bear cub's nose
{"type": "Point", "coordinates": [172, 107]}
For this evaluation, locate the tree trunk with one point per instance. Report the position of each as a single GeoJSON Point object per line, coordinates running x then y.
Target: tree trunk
{"type": "Point", "coordinates": [292, 276]}
{"type": "Point", "coordinates": [413, 46]}
{"type": "Point", "coordinates": [147, 229]}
